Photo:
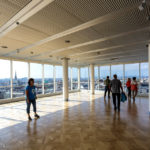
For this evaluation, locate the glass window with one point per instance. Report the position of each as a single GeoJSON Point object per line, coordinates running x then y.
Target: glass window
{"type": "Point", "coordinates": [20, 78]}
{"type": "Point", "coordinates": [69, 78]}
{"type": "Point", "coordinates": [144, 85]}
{"type": "Point", "coordinates": [132, 70]}
{"type": "Point", "coordinates": [84, 78]}
{"type": "Point", "coordinates": [5, 79]}
{"type": "Point", "coordinates": [74, 78]}
{"type": "Point", "coordinates": [96, 77]}
{"type": "Point", "coordinates": [59, 78]}
{"type": "Point", "coordinates": [48, 79]}
{"type": "Point", "coordinates": [118, 70]}
{"type": "Point", "coordinates": [36, 73]}
{"type": "Point", "coordinates": [104, 72]}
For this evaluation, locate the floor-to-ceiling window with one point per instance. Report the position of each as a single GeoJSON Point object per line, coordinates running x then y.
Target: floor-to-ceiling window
{"type": "Point", "coordinates": [5, 85]}
{"type": "Point", "coordinates": [69, 77]}
{"type": "Point", "coordinates": [144, 86]}
{"type": "Point", "coordinates": [48, 79]}
{"type": "Point", "coordinates": [84, 78]}
{"type": "Point", "coordinates": [20, 78]}
{"type": "Point", "coordinates": [36, 73]}
{"type": "Point", "coordinates": [59, 78]}
{"type": "Point", "coordinates": [118, 70]}
{"type": "Point", "coordinates": [74, 78]}
{"type": "Point", "coordinates": [131, 70]}
{"type": "Point", "coordinates": [104, 72]}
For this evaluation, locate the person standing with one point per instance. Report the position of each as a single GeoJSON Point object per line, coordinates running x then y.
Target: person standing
{"type": "Point", "coordinates": [115, 88]}
{"type": "Point", "coordinates": [134, 87]}
{"type": "Point", "coordinates": [128, 85]}
{"type": "Point", "coordinates": [107, 87]}
{"type": "Point", "coordinates": [31, 98]}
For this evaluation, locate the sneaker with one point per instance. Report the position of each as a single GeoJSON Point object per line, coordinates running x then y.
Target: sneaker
{"type": "Point", "coordinates": [36, 116]}
{"type": "Point", "coordinates": [29, 118]}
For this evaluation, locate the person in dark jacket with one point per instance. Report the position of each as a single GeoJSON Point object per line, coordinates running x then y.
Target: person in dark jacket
{"type": "Point", "coordinates": [107, 87]}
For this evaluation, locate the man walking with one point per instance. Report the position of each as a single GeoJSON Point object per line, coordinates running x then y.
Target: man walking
{"type": "Point", "coordinates": [107, 87]}
{"type": "Point", "coordinates": [115, 88]}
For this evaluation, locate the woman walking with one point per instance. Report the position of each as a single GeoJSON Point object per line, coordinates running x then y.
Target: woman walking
{"type": "Point", "coordinates": [134, 88]}
{"type": "Point", "coordinates": [128, 85]}
{"type": "Point", "coordinates": [31, 98]}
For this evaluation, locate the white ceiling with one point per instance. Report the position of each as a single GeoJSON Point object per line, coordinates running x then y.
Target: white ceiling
{"type": "Point", "coordinates": [100, 31]}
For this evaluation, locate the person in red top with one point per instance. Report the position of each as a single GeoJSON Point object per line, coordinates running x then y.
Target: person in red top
{"type": "Point", "coordinates": [128, 84]}
{"type": "Point", "coordinates": [134, 87]}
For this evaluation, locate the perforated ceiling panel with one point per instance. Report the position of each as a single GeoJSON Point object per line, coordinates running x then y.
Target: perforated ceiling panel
{"type": "Point", "coordinates": [121, 29]}
{"type": "Point", "coordinates": [52, 19]}
{"type": "Point", "coordinates": [8, 8]}
{"type": "Point", "coordinates": [90, 9]}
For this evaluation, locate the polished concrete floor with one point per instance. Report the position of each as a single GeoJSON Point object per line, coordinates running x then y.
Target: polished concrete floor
{"type": "Point", "coordinates": [84, 123]}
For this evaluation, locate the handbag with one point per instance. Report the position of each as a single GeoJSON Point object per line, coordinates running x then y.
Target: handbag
{"type": "Point", "coordinates": [123, 97]}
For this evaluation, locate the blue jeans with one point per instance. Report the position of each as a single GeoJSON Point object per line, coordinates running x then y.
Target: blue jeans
{"type": "Point", "coordinates": [33, 102]}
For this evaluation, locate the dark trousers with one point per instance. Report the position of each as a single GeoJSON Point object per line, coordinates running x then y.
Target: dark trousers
{"type": "Point", "coordinates": [114, 95]}
{"type": "Point", "coordinates": [107, 89]}
{"type": "Point", "coordinates": [33, 102]}
{"type": "Point", "coordinates": [129, 91]}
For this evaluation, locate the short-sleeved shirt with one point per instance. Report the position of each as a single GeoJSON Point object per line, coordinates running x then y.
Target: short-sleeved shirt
{"type": "Point", "coordinates": [107, 82]}
{"type": "Point", "coordinates": [31, 92]}
{"type": "Point", "coordinates": [115, 86]}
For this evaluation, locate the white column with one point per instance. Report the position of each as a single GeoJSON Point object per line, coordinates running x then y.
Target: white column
{"type": "Point", "coordinates": [42, 78]}
{"type": "Point", "coordinates": [11, 79]}
{"type": "Point", "coordinates": [65, 79]}
{"type": "Point", "coordinates": [28, 70]}
{"type": "Point", "coordinates": [92, 78]}
{"type": "Point", "coordinates": [149, 73]}
{"type": "Point", "coordinates": [54, 78]}
{"type": "Point", "coordinates": [79, 79]}
{"type": "Point", "coordinates": [110, 72]}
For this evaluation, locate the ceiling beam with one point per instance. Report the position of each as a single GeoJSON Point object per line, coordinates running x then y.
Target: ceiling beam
{"type": "Point", "coordinates": [29, 10]}
{"type": "Point", "coordinates": [92, 42]}
{"type": "Point", "coordinates": [83, 26]}
{"type": "Point", "coordinates": [117, 53]}
{"type": "Point", "coordinates": [108, 48]}
{"type": "Point", "coordinates": [106, 58]}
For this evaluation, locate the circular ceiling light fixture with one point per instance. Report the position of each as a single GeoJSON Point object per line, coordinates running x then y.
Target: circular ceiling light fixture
{"type": "Point", "coordinates": [4, 46]}
{"type": "Point", "coordinates": [67, 41]}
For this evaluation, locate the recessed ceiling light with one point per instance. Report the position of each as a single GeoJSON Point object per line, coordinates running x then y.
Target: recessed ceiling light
{"type": "Point", "coordinates": [4, 46]}
{"type": "Point", "coordinates": [114, 58]}
{"type": "Point", "coordinates": [67, 41]}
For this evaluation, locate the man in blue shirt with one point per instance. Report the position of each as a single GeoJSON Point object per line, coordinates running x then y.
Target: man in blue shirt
{"type": "Point", "coordinates": [31, 98]}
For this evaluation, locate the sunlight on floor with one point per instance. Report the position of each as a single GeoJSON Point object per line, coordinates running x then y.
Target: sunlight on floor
{"type": "Point", "coordinates": [15, 113]}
